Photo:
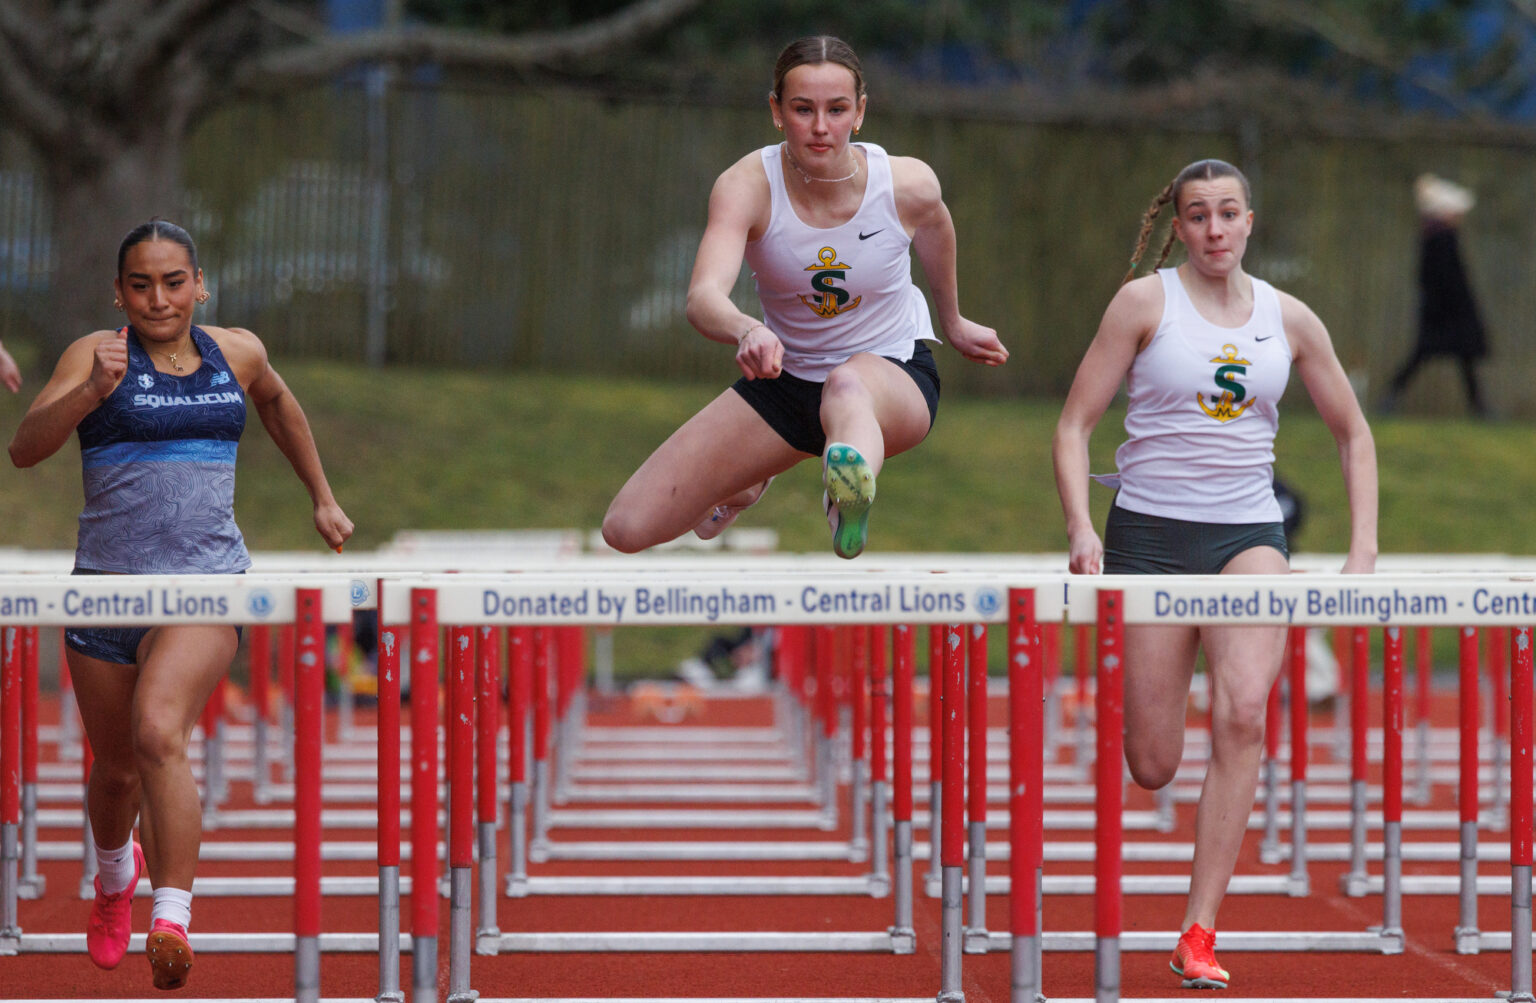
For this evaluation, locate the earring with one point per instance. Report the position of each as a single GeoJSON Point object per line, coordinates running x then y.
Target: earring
{"type": "Point", "coordinates": [117, 304]}
{"type": "Point", "coordinates": [779, 126]}
{"type": "Point", "coordinates": [203, 296]}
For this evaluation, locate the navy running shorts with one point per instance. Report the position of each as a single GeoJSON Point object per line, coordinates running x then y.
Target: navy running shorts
{"type": "Point", "coordinates": [792, 406]}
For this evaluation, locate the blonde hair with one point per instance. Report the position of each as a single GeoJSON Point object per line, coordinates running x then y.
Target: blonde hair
{"type": "Point", "coordinates": [1200, 170]}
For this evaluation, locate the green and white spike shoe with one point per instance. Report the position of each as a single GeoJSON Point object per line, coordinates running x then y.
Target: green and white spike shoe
{"type": "Point", "coordinates": [850, 485]}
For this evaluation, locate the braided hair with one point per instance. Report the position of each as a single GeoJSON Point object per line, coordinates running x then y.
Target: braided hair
{"type": "Point", "coordinates": [1200, 170]}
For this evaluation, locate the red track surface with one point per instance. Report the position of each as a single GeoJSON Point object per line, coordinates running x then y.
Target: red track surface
{"type": "Point", "coordinates": [1428, 969]}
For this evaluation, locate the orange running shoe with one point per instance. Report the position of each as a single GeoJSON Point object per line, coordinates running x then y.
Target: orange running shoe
{"type": "Point", "coordinates": [170, 956]}
{"type": "Point", "coordinates": [111, 922]}
{"type": "Point", "coordinates": [1195, 960]}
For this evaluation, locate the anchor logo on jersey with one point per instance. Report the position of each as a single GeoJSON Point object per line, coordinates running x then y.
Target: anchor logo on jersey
{"type": "Point", "coordinates": [146, 381]}
{"type": "Point", "coordinates": [1224, 405]}
{"type": "Point", "coordinates": [828, 300]}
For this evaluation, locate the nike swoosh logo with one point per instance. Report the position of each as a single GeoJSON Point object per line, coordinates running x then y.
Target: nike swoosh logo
{"type": "Point", "coordinates": [1265, 338]}
{"type": "Point", "coordinates": [866, 236]}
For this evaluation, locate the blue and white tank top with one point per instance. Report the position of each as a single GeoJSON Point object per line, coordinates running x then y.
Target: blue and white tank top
{"type": "Point", "coordinates": [830, 294]}
{"type": "Point", "coordinates": [1203, 411]}
{"type": "Point", "coordinates": [158, 458]}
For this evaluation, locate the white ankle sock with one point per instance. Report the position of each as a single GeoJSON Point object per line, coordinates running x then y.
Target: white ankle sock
{"type": "Point", "coordinates": [115, 866]}
{"type": "Point", "coordinates": [174, 904]}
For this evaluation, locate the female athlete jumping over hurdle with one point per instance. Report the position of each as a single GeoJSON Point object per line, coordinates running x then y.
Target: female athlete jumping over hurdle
{"type": "Point", "coordinates": [836, 367]}
{"type": "Point", "coordinates": [1205, 351]}
{"type": "Point", "coordinates": [159, 405]}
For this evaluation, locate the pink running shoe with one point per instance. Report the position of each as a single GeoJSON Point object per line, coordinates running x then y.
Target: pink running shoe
{"type": "Point", "coordinates": [170, 956]}
{"type": "Point", "coordinates": [111, 922]}
{"type": "Point", "coordinates": [1195, 960]}
{"type": "Point", "coordinates": [721, 516]}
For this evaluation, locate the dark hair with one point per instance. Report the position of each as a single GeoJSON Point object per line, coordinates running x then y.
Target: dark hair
{"type": "Point", "coordinates": [817, 49]}
{"type": "Point", "coordinates": [156, 229]}
{"type": "Point", "coordinates": [1200, 170]}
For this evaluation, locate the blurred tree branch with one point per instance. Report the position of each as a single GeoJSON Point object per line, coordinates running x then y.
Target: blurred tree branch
{"type": "Point", "coordinates": [107, 92]}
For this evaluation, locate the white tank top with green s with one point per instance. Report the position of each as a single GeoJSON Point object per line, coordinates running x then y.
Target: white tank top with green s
{"type": "Point", "coordinates": [1203, 411]}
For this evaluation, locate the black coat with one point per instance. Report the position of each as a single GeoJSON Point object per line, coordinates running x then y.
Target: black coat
{"type": "Point", "coordinates": [1448, 320]}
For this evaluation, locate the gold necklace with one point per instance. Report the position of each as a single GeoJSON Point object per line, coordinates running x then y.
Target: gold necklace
{"type": "Point", "coordinates": [808, 178]}
{"type": "Point", "coordinates": [171, 358]}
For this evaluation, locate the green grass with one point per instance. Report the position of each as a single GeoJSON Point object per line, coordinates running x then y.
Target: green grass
{"type": "Point", "coordinates": [415, 449]}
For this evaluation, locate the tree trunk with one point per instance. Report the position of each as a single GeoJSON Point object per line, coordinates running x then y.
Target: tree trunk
{"type": "Point", "coordinates": [94, 206]}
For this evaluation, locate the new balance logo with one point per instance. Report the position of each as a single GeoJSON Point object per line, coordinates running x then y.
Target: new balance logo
{"type": "Point", "coordinates": [219, 379]}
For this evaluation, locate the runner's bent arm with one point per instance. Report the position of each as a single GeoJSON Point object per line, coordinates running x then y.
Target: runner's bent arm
{"type": "Point", "coordinates": [1334, 398]}
{"type": "Point", "coordinates": [738, 204]}
{"type": "Point", "coordinates": [920, 205]}
{"type": "Point", "coordinates": [1122, 333]}
{"type": "Point", "coordinates": [88, 371]}
{"type": "Point", "coordinates": [284, 421]}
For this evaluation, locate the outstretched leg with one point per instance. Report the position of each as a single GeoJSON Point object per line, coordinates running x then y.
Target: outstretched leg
{"type": "Point", "coordinates": [178, 669]}
{"type": "Point", "coordinates": [716, 457]}
{"type": "Point", "coordinates": [1243, 663]}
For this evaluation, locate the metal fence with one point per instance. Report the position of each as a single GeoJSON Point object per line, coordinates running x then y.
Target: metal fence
{"type": "Point", "coordinates": [556, 230]}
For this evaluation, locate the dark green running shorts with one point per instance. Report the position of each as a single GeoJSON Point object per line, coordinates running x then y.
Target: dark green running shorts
{"type": "Point", "coordinates": [1139, 544]}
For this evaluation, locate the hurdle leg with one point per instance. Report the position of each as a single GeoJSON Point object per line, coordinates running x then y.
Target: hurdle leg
{"type": "Point", "coordinates": [932, 883]}
{"type": "Point", "coordinates": [976, 937]}
{"type": "Point", "coordinates": [1109, 795]}
{"type": "Point", "coordinates": [826, 733]}
{"type": "Point", "coordinates": [903, 935]}
{"type": "Point", "coordinates": [10, 874]}
{"type": "Point", "coordinates": [391, 639]}
{"type": "Point", "coordinates": [539, 795]}
{"type": "Point", "coordinates": [487, 732]}
{"type": "Point", "coordinates": [863, 777]}
{"type": "Point", "coordinates": [953, 768]}
{"type": "Point", "coordinates": [1468, 936]}
{"type": "Point", "coordinates": [285, 657]}
{"type": "Point", "coordinates": [1298, 882]}
{"type": "Point", "coordinates": [424, 870]}
{"type": "Point", "coordinates": [10, 786]}
{"type": "Point", "coordinates": [1498, 706]}
{"type": "Point", "coordinates": [1422, 655]}
{"type": "Point", "coordinates": [879, 695]}
{"type": "Point", "coordinates": [1520, 692]}
{"type": "Point", "coordinates": [31, 884]}
{"type": "Point", "coordinates": [1354, 882]}
{"type": "Point", "coordinates": [309, 732]}
{"type": "Point", "coordinates": [1027, 749]}
{"type": "Point", "coordinates": [462, 676]}
{"type": "Point", "coordinates": [1392, 800]}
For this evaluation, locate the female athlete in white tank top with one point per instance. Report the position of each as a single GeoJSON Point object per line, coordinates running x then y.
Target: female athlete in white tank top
{"type": "Point", "coordinates": [1204, 350]}
{"type": "Point", "coordinates": [836, 367]}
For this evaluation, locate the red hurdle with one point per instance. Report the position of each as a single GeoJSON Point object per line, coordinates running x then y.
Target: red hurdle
{"type": "Point", "coordinates": [392, 639]}
{"type": "Point", "coordinates": [309, 737]}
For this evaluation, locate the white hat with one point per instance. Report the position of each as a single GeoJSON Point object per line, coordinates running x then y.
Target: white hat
{"type": "Point", "coordinates": [1440, 199]}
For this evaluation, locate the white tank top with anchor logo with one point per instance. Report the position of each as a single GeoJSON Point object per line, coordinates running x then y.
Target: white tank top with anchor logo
{"type": "Point", "coordinates": [1203, 411]}
{"type": "Point", "coordinates": [830, 294]}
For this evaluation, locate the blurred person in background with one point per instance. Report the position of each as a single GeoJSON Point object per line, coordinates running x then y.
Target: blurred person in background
{"type": "Point", "coordinates": [159, 405]}
{"type": "Point", "coordinates": [837, 367]}
{"type": "Point", "coordinates": [1449, 323]}
{"type": "Point", "coordinates": [1205, 351]}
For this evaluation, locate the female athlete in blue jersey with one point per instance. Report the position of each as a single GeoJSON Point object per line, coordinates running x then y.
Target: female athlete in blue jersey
{"type": "Point", "coordinates": [159, 406]}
